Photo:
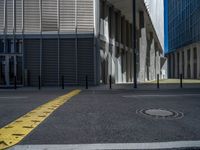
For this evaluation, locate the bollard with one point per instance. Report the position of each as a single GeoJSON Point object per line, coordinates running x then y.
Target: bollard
{"type": "Point", "coordinates": [39, 85]}
{"type": "Point", "coordinates": [135, 71]}
{"type": "Point", "coordinates": [15, 82]}
{"type": "Point", "coordinates": [28, 78]}
{"type": "Point", "coordinates": [86, 82]}
{"type": "Point", "coordinates": [63, 82]}
{"type": "Point", "coordinates": [110, 81]}
{"type": "Point", "coordinates": [158, 84]}
{"type": "Point", "coordinates": [181, 80]}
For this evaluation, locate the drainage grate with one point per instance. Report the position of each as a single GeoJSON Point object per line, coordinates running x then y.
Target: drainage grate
{"type": "Point", "coordinates": [160, 113]}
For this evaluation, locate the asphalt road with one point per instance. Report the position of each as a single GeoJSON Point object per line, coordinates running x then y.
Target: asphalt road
{"type": "Point", "coordinates": [107, 116]}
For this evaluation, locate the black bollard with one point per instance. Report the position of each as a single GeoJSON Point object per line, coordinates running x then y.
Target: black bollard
{"type": "Point", "coordinates": [181, 80]}
{"type": "Point", "coordinates": [135, 71]}
{"type": "Point", "coordinates": [63, 82]}
{"type": "Point", "coordinates": [158, 84]}
{"type": "Point", "coordinates": [110, 81]}
{"type": "Point", "coordinates": [15, 82]}
{"type": "Point", "coordinates": [86, 82]}
{"type": "Point", "coordinates": [28, 78]}
{"type": "Point", "coordinates": [39, 85]}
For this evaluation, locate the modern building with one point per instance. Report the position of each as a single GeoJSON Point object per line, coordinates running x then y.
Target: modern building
{"type": "Point", "coordinates": [47, 40]}
{"type": "Point", "coordinates": [156, 12]}
{"type": "Point", "coordinates": [183, 38]}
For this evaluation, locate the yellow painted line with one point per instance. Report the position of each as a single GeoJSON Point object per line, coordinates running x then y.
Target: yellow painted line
{"type": "Point", "coordinates": [17, 130]}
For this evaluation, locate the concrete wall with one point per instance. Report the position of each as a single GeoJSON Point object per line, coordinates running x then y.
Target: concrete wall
{"type": "Point", "coordinates": [186, 61]}
{"type": "Point", "coordinates": [156, 11]}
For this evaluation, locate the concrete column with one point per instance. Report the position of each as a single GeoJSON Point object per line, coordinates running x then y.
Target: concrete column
{"type": "Point", "coordinates": [129, 67]}
{"type": "Point", "coordinates": [157, 63]}
{"type": "Point", "coordinates": [191, 62]}
{"type": "Point", "coordinates": [129, 54]}
{"type": "Point", "coordinates": [120, 50]}
{"type": "Point", "coordinates": [172, 66]}
{"type": "Point", "coordinates": [107, 48]}
{"type": "Point", "coordinates": [119, 28]}
{"type": "Point", "coordinates": [124, 67]}
{"type": "Point", "coordinates": [180, 63]}
{"type": "Point", "coordinates": [175, 64]}
{"type": "Point", "coordinates": [186, 63]}
{"type": "Point", "coordinates": [113, 53]}
{"type": "Point", "coordinates": [143, 55]}
{"type": "Point", "coordinates": [168, 66]}
{"type": "Point", "coordinates": [152, 61]}
{"type": "Point", "coordinates": [119, 64]}
{"type": "Point", "coordinates": [119, 57]}
{"type": "Point", "coordinates": [198, 61]}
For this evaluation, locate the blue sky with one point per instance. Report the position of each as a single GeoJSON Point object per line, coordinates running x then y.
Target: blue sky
{"type": "Point", "coordinates": [166, 25]}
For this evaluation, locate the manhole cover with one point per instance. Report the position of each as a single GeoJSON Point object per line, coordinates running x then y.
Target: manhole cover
{"type": "Point", "coordinates": [160, 113]}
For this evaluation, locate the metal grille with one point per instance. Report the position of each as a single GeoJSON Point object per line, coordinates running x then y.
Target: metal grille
{"type": "Point", "coordinates": [19, 16]}
{"type": "Point", "coordinates": [85, 61]}
{"type": "Point", "coordinates": [71, 13]}
{"type": "Point", "coordinates": [85, 17]}
{"type": "Point", "coordinates": [67, 16]}
{"type": "Point", "coordinates": [49, 15]}
{"type": "Point", "coordinates": [9, 16]}
{"type": "Point", "coordinates": [31, 16]}
{"type": "Point", "coordinates": [32, 60]}
{"type": "Point", "coordinates": [50, 62]}
{"type": "Point", "coordinates": [1, 16]}
{"type": "Point", "coordinates": [68, 60]}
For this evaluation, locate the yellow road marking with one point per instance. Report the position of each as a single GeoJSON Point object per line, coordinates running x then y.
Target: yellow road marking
{"type": "Point", "coordinates": [17, 130]}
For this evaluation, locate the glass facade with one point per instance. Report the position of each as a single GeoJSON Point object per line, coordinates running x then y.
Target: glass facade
{"type": "Point", "coordinates": [183, 23]}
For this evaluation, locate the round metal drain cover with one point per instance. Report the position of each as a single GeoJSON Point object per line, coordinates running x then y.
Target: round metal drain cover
{"type": "Point", "coordinates": [160, 113]}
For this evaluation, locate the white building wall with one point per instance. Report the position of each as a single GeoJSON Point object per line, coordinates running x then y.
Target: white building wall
{"type": "Point", "coordinates": [156, 11]}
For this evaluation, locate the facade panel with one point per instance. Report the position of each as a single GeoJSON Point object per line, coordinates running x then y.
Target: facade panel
{"type": "Point", "coordinates": [85, 58]}
{"type": "Point", "coordinates": [67, 16]}
{"type": "Point", "coordinates": [10, 17]}
{"type": "Point", "coordinates": [156, 11]}
{"type": "Point", "coordinates": [2, 16]}
{"type": "Point", "coordinates": [31, 16]}
{"type": "Point", "coordinates": [19, 15]}
{"type": "Point", "coordinates": [50, 63]}
{"type": "Point", "coordinates": [49, 16]}
{"type": "Point", "coordinates": [32, 61]}
{"type": "Point", "coordinates": [68, 61]}
{"type": "Point", "coordinates": [85, 16]}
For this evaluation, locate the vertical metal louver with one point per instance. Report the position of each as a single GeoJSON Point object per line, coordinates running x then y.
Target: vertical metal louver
{"type": "Point", "coordinates": [68, 60]}
{"type": "Point", "coordinates": [19, 16]}
{"type": "Point", "coordinates": [49, 15]}
{"type": "Point", "coordinates": [32, 60]}
{"type": "Point", "coordinates": [50, 62]}
{"type": "Point", "coordinates": [85, 60]}
{"type": "Point", "coordinates": [10, 16]}
{"type": "Point", "coordinates": [67, 16]}
{"type": "Point", "coordinates": [1, 16]}
{"type": "Point", "coordinates": [31, 16]}
{"type": "Point", "coordinates": [85, 16]}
